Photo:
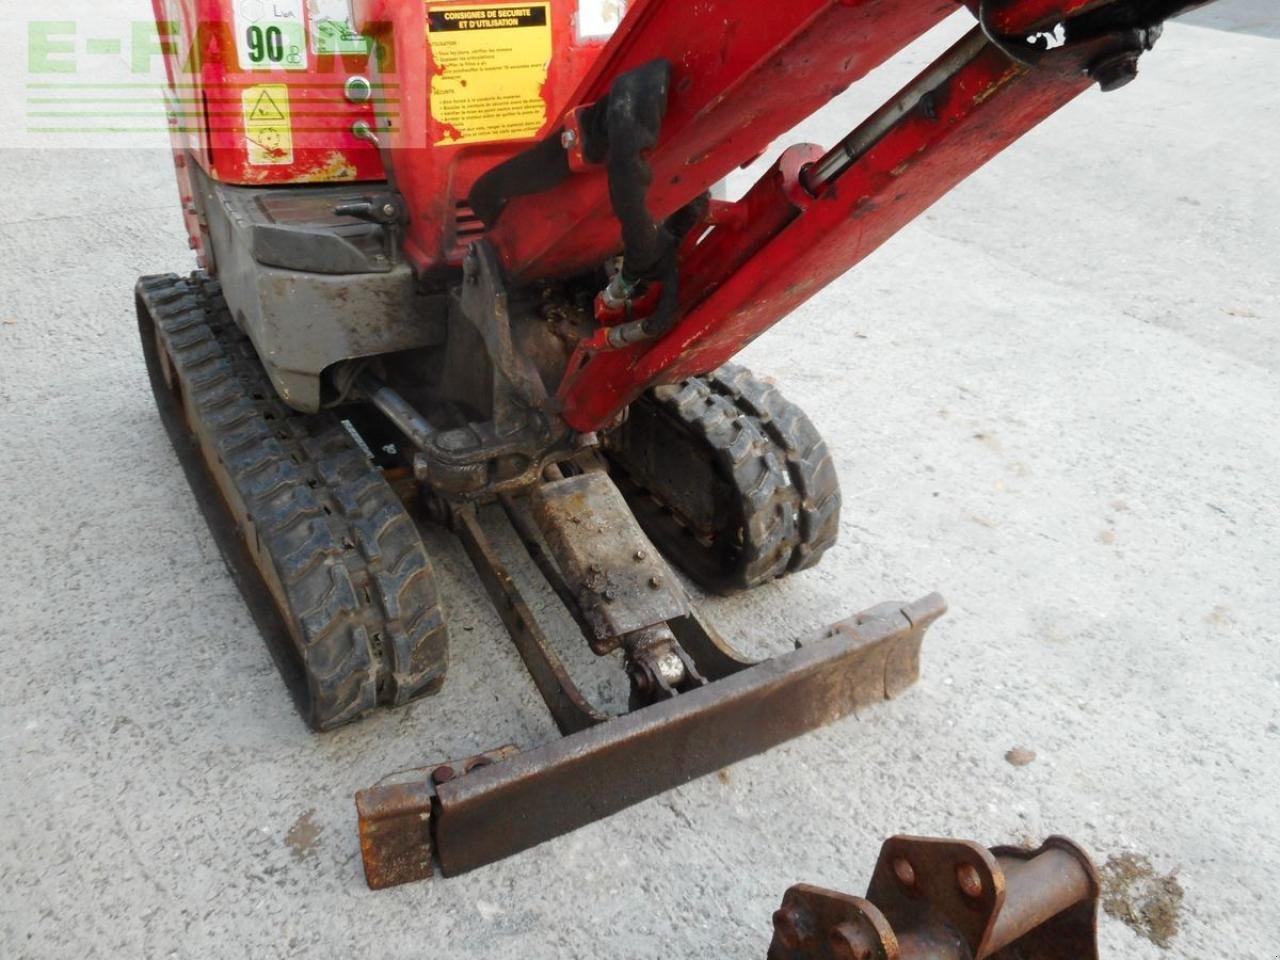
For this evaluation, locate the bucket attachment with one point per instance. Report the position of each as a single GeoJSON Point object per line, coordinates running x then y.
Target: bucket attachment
{"type": "Point", "coordinates": [697, 704]}
{"type": "Point", "coordinates": [950, 900]}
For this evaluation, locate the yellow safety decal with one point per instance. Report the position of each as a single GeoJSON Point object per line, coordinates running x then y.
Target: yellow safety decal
{"type": "Point", "coordinates": [490, 68]}
{"type": "Point", "coordinates": [268, 124]}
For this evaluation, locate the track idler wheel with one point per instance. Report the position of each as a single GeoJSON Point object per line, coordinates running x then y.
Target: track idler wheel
{"type": "Point", "coordinates": [307, 523]}
{"type": "Point", "coordinates": [729, 478]}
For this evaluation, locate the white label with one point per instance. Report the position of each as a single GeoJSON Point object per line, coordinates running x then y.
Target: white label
{"type": "Point", "coordinates": [271, 34]}
{"type": "Point", "coordinates": [598, 19]}
{"type": "Point", "coordinates": [333, 30]}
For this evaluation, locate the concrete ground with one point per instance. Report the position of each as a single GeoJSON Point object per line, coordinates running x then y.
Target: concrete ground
{"type": "Point", "coordinates": [1054, 398]}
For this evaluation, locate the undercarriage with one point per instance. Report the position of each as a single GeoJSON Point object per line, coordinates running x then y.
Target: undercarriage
{"type": "Point", "coordinates": [416, 312]}
{"type": "Point", "coordinates": [313, 522]}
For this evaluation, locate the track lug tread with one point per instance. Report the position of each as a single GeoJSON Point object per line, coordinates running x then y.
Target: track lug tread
{"type": "Point", "coordinates": [809, 464]}
{"type": "Point", "coordinates": [787, 497]}
{"type": "Point", "coordinates": [366, 634]}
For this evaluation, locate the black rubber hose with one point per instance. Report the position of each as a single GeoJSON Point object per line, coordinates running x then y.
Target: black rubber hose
{"type": "Point", "coordinates": [617, 131]}
{"type": "Point", "coordinates": [541, 167]}
{"type": "Point", "coordinates": [637, 105]}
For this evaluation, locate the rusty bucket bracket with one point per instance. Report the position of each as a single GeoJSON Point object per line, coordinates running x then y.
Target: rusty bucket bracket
{"type": "Point", "coordinates": [935, 899]}
{"type": "Point", "coordinates": [698, 705]}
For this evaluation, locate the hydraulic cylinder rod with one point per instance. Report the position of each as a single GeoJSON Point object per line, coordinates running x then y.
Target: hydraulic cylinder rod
{"type": "Point", "coordinates": [396, 409]}
{"type": "Point", "coordinates": [842, 156]}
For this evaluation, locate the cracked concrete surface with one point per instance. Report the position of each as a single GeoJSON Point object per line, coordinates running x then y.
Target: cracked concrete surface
{"type": "Point", "coordinates": [1054, 398]}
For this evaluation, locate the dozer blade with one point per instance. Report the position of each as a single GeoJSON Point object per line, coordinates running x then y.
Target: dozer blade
{"type": "Point", "coordinates": [500, 808]}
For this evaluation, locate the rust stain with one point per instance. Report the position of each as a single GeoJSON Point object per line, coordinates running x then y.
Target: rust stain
{"type": "Point", "coordinates": [302, 836]}
{"type": "Point", "coordinates": [1147, 902]}
{"type": "Point", "coordinates": [253, 174]}
{"type": "Point", "coordinates": [335, 166]}
{"type": "Point", "coordinates": [999, 84]}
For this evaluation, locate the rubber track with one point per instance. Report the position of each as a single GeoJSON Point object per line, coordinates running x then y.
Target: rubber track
{"type": "Point", "coordinates": [778, 468]}
{"type": "Point", "coordinates": [808, 461]}
{"type": "Point", "coordinates": [330, 536]}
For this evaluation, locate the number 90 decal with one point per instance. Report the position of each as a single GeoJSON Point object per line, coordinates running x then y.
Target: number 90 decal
{"type": "Point", "coordinates": [271, 36]}
{"type": "Point", "coordinates": [266, 46]}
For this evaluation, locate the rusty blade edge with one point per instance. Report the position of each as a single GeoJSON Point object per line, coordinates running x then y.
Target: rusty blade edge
{"type": "Point", "coordinates": [551, 790]}
{"type": "Point", "coordinates": [556, 788]}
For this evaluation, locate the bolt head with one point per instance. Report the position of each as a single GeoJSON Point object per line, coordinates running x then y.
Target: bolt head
{"type": "Point", "coordinates": [969, 880]}
{"type": "Point", "coordinates": [568, 139]}
{"type": "Point", "coordinates": [905, 873]}
{"type": "Point", "coordinates": [389, 209]}
{"type": "Point", "coordinates": [671, 669]}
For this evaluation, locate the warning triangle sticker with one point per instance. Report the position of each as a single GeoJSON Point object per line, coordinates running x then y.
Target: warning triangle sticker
{"type": "Point", "coordinates": [266, 109]}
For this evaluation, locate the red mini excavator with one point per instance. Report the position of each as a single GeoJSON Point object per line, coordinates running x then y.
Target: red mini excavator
{"type": "Point", "coordinates": [462, 257]}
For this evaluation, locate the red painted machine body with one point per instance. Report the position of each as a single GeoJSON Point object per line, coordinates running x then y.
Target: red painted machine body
{"type": "Point", "coordinates": [435, 162]}
{"type": "Point", "coordinates": [743, 76]}
{"type": "Point", "coordinates": [300, 131]}
{"type": "Point", "coordinates": [260, 123]}
{"type": "Point", "coordinates": [293, 119]}
{"type": "Point", "coordinates": [457, 88]}
{"type": "Point", "coordinates": [791, 242]}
